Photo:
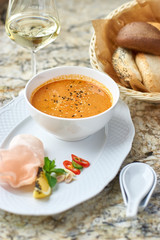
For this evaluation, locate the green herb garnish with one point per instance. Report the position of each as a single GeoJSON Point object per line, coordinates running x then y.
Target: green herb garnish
{"type": "Point", "coordinates": [76, 165]}
{"type": "Point", "coordinates": [50, 168]}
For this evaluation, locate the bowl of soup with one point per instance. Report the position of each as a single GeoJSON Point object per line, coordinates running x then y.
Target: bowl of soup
{"type": "Point", "coordinates": [71, 102]}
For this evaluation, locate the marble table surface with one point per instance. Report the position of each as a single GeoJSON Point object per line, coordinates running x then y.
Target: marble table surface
{"type": "Point", "coordinates": [103, 216]}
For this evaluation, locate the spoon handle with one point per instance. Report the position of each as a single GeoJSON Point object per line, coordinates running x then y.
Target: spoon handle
{"type": "Point", "coordinates": [132, 208]}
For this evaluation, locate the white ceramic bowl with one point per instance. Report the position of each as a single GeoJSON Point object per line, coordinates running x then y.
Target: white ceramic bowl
{"type": "Point", "coordinates": [67, 128]}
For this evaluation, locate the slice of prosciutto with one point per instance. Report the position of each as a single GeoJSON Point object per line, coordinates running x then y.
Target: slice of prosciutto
{"type": "Point", "coordinates": [20, 162]}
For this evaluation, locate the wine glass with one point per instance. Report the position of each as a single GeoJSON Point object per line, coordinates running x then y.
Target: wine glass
{"type": "Point", "coordinates": [33, 24]}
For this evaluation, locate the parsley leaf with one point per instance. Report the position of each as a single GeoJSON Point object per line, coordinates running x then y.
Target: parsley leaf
{"type": "Point", "coordinates": [49, 168]}
{"type": "Point", "coordinates": [51, 180]}
{"type": "Point", "coordinates": [47, 163]}
{"type": "Point", "coordinates": [58, 170]}
{"type": "Point", "coordinates": [52, 164]}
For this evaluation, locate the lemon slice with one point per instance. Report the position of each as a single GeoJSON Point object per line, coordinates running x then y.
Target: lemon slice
{"type": "Point", "coordinates": [42, 188]}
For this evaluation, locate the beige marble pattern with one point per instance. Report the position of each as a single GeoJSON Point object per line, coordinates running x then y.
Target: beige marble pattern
{"type": "Point", "coordinates": [102, 217]}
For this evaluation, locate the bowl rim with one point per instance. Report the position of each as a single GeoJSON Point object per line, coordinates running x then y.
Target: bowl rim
{"type": "Point", "coordinates": [70, 67]}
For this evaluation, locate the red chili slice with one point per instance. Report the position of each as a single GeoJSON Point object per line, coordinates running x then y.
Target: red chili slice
{"type": "Point", "coordinates": [68, 165]}
{"type": "Point", "coordinates": [80, 161]}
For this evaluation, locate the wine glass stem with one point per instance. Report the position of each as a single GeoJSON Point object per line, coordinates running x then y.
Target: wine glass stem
{"type": "Point", "coordinates": [33, 63]}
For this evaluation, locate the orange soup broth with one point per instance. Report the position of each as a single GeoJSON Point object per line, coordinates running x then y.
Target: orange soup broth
{"type": "Point", "coordinates": [72, 96]}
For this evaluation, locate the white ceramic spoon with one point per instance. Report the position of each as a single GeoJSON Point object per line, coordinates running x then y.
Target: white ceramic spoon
{"type": "Point", "coordinates": [146, 199]}
{"type": "Point", "coordinates": [137, 181]}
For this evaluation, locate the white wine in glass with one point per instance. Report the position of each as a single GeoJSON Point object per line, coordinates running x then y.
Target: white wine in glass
{"type": "Point", "coordinates": [33, 24]}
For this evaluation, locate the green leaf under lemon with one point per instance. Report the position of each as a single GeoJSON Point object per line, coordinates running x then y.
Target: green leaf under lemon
{"type": "Point", "coordinates": [51, 180]}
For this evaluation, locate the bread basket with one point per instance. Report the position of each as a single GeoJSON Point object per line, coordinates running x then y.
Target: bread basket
{"type": "Point", "coordinates": [149, 97]}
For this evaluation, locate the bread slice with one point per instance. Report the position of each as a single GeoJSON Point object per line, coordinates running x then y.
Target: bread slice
{"type": "Point", "coordinates": [155, 24]}
{"type": "Point", "coordinates": [140, 36]}
{"type": "Point", "coordinates": [149, 67]}
{"type": "Point", "coordinates": [124, 65]}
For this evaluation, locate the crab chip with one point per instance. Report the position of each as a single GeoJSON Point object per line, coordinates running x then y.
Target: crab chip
{"type": "Point", "coordinates": [30, 141]}
{"type": "Point", "coordinates": [19, 164]}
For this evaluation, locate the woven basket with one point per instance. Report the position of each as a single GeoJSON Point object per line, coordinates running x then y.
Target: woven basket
{"type": "Point", "coordinates": [149, 97]}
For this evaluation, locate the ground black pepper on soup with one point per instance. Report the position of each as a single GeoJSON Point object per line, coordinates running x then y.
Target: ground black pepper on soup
{"type": "Point", "coordinates": [72, 97]}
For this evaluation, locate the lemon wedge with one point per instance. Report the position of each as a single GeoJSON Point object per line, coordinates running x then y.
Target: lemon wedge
{"type": "Point", "coordinates": [42, 188]}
